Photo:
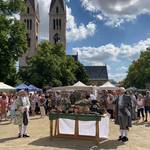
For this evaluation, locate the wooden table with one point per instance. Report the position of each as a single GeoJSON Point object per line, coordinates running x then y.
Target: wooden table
{"type": "Point", "coordinates": [54, 125]}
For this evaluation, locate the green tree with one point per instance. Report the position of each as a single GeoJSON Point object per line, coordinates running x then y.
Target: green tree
{"type": "Point", "coordinates": [81, 74]}
{"type": "Point", "coordinates": [139, 71]}
{"type": "Point", "coordinates": [52, 67]}
{"type": "Point", "coordinates": [12, 38]}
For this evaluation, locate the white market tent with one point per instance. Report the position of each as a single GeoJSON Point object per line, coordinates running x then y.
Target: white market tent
{"type": "Point", "coordinates": [108, 86]}
{"type": "Point", "coordinates": [77, 86]}
{"type": "Point", "coordinates": [5, 87]}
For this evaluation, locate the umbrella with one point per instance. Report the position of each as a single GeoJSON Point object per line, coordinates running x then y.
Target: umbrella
{"type": "Point", "coordinates": [5, 87]}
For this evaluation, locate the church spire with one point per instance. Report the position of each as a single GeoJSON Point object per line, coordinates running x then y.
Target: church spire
{"type": "Point", "coordinates": [57, 22]}
{"type": "Point", "coordinates": [61, 2]}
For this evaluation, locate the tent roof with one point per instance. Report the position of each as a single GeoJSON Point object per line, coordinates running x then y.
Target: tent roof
{"type": "Point", "coordinates": [79, 83]}
{"type": "Point", "coordinates": [108, 84]}
{"type": "Point", "coordinates": [77, 86]}
{"type": "Point", "coordinates": [22, 87]}
{"type": "Point", "coordinates": [4, 87]}
{"type": "Point", "coordinates": [34, 88]}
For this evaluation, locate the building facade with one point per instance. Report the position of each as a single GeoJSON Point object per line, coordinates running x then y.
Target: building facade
{"type": "Point", "coordinates": [98, 75]}
{"type": "Point", "coordinates": [57, 22]}
{"type": "Point", "coordinates": [31, 19]}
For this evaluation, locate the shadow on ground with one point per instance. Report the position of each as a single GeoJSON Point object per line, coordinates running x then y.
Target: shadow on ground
{"type": "Point", "coordinates": [75, 144]}
{"type": "Point", "coordinates": [7, 139]}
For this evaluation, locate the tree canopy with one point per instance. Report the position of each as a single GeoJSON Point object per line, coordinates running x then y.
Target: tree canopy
{"type": "Point", "coordinates": [13, 42]}
{"type": "Point", "coordinates": [51, 67]}
{"type": "Point", "coordinates": [139, 71]}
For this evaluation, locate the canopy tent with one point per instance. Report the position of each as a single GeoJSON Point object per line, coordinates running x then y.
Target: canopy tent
{"type": "Point", "coordinates": [5, 87]}
{"type": "Point", "coordinates": [77, 86]}
{"type": "Point", "coordinates": [132, 89]}
{"type": "Point", "coordinates": [34, 88]}
{"type": "Point", "coordinates": [108, 86]}
{"type": "Point", "coordinates": [23, 87]}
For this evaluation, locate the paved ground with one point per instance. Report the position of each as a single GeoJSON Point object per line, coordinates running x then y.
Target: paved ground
{"type": "Point", "coordinates": [139, 138]}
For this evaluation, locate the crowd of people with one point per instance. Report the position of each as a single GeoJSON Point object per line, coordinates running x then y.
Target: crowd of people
{"type": "Point", "coordinates": [82, 102]}
{"type": "Point", "coordinates": [78, 102]}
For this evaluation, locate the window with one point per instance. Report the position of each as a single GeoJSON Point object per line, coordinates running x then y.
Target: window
{"type": "Point", "coordinates": [30, 24]}
{"type": "Point", "coordinates": [54, 24]}
{"type": "Point", "coordinates": [56, 38]}
{"type": "Point", "coordinates": [29, 41]}
{"type": "Point", "coordinates": [28, 10]}
{"type": "Point", "coordinates": [36, 41]}
{"type": "Point", "coordinates": [57, 9]}
{"type": "Point", "coordinates": [59, 23]}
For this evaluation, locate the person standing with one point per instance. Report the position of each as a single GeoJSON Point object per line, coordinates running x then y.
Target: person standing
{"type": "Point", "coordinates": [123, 114]}
{"type": "Point", "coordinates": [147, 104]}
{"type": "Point", "coordinates": [22, 113]}
{"type": "Point", "coordinates": [134, 104]}
{"type": "Point", "coordinates": [42, 103]}
{"type": "Point", "coordinates": [110, 100]}
{"type": "Point", "coordinates": [140, 106]}
{"type": "Point", "coordinates": [4, 105]}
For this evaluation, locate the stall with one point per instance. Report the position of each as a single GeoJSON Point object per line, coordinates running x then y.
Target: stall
{"type": "Point", "coordinates": [79, 126]}
{"type": "Point", "coordinates": [6, 88]}
{"type": "Point", "coordinates": [108, 86]}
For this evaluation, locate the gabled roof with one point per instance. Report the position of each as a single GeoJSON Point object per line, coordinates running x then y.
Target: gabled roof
{"type": "Point", "coordinates": [97, 72]}
{"type": "Point", "coordinates": [32, 2]}
{"type": "Point", "coordinates": [62, 4]}
{"type": "Point", "coordinates": [35, 6]}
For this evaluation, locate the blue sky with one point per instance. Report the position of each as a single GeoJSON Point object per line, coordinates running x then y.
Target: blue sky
{"type": "Point", "coordinates": [111, 32]}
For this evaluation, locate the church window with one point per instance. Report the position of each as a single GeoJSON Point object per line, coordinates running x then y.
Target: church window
{"type": "Point", "coordinates": [59, 23]}
{"type": "Point", "coordinates": [29, 41]}
{"type": "Point", "coordinates": [56, 38]}
{"type": "Point", "coordinates": [54, 24]}
{"type": "Point", "coordinates": [28, 10]}
{"type": "Point", "coordinates": [30, 24]}
{"type": "Point", "coordinates": [57, 9]}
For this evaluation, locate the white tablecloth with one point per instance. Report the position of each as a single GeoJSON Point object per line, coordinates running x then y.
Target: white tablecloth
{"type": "Point", "coordinates": [87, 128]}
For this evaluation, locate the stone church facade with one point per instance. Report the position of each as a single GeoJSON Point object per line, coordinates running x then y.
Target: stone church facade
{"type": "Point", "coordinates": [57, 22]}
{"type": "Point", "coordinates": [31, 20]}
{"type": "Point", "coordinates": [57, 34]}
{"type": "Point", "coordinates": [57, 26]}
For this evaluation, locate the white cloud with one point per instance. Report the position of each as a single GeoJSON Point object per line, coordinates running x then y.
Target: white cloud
{"type": "Point", "coordinates": [74, 32]}
{"type": "Point", "coordinates": [117, 76]}
{"type": "Point", "coordinates": [110, 52]}
{"type": "Point", "coordinates": [99, 16]}
{"type": "Point", "coordinates": [116, 12]}
{"type": "Point", "coordinates": [44, 6]}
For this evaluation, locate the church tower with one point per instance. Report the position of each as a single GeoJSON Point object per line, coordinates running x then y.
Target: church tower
{"type": "Point", "coordinates": [31, 19]}
{"type": "Point", "coordinates": [57, 22]}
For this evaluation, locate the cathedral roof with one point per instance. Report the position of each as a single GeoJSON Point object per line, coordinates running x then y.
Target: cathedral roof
{"type": "Point", "coordinates": [62, 3]}
{"type": "Point", "coordinates": [97, 72]}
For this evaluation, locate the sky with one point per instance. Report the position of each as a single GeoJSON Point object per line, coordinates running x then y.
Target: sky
{"type": "Point", "coordinates": [104, 32]}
